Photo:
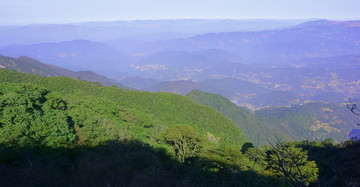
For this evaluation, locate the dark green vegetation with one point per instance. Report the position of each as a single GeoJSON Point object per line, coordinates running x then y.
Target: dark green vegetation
{"type": "Point", "coordinates": [185, 140]}
{"type": "Point", "coordinates": [72, 132]}
{"type": "Point", "coordinates": [32, 116]}
{"type": "Point", "coordinates": [335, 165]}
{"type": "Point", "coordinates": [68, 131]}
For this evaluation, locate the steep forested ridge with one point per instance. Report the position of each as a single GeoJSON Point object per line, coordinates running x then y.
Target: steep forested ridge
{"type": "Point", "coordinates": [310, 121]}
{"type": "Point", "coordinates": [257, 131]}
{"type": "Point", "coordinates": [164, 108]}
{"type": "Point", "coordinates": [75, 132]}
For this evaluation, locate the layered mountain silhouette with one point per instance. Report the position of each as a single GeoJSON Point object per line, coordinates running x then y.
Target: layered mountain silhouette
{"type": "Point", "coordinates": [75, 55]}
{"type": "Point", "coordinates": [28, 65]}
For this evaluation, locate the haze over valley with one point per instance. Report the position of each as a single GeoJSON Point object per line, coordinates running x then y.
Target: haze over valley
{"type": "Point", "coordinates": [295, 61]}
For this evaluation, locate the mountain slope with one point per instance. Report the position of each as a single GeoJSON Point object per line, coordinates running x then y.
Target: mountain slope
{"type": "Point", "coordinates": [236, 90]}
{"type": "Point", "coordinates": [256, 130]}
{"type": "Point", "coordinates": [163, 108]}
{"type": "Point", "coordinates": [312, 121]}
{"type": "Point", "coordinates": [240, 90]}
{"type": "Point", "coordinates": [29, 65]}
{"type": "Point", "coordinates": [275, 98]}
{"type": "Point", "coordinates": [182, 87]}
{"type": "Point", "coordinates": [139, 82]}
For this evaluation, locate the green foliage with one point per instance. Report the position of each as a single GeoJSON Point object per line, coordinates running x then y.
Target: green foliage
{"type": "Point", "coordinates": [292, 164]}
{"type": "Point", "coordinates": [161, 109]}
{"type": "Point", "coordinates": [224, 160]}
{"type": "Point", "coordinates": [184, 139]}
{"type": "Point", "coordinates": [99, 120]}
{"type": "Point", "coordinates": [246, 146]}
{"type": "Point", "coordinates": [29, 117]}
{"type": "Point", "coordinates": [287, 161]}
{"type": "Point", "coordinates": [125, 163]}
{"type": "Point", "coordinates": [255, 129]}
{"type": "Point", "coordinates": [80, 133]}
{"type": "Point", "coordinates": [338, 163]}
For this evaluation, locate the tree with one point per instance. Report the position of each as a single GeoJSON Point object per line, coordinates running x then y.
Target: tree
{"type": "Point", "coordinates": [246, 146]}
{"type": "Point", "coordinates": [354, 134]}
{"type": "Point", "coordinates": [224, 160]}
{"type": "Point", "coordinates": [29, 116]}
{"type": "Point", "coordinates": [184, 139]}
{"type": "Point", "coordinates": [291, 163]}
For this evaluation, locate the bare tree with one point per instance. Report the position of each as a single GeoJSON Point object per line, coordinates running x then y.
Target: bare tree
{"type": "Point", "coordinates": [354, 109]}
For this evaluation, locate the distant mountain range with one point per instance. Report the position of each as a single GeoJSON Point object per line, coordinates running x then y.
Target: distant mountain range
{"type": "Point", "coordinates": [310, 120]}
{"type": "Point", "coordinates": [334, 63]}
{"type": "Point", "coordinates": [313, 39]}
{"type": "Point", "coordinates": [281, 66]}
{"type": "Point", "coordinates": [75, 55]}
{"type": "Point", "coordinates": [211, 55]}
{"type": "Point", "coordinates": [244, 93]}
{"type": "Point", "coordinates": [136, 31]}
{"type": "Point", "coordinates": [179, 65]}
{"type": "Point", "coordinates": [139, 82]}
{"type": "Point", "coordinates": [29, 65]}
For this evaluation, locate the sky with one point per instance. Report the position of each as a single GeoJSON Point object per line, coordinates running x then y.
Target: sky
{"type": "Point", "coordinates": [14, 12]}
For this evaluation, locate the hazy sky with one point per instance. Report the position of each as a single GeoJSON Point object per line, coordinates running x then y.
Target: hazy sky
{"type": "Point", "coordinates": [65, 11]}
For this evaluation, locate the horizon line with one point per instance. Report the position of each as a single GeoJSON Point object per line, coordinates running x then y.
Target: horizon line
{"type": "Point", "coordinates": [169, 19]}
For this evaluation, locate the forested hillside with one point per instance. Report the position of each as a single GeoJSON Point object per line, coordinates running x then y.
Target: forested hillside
{"type": "Point", "coordinates": [162, 109]}
{"type": "Point", "coordinates": [74, 132]}
{"type": "Point", "coordinates": [311, 121]}
{"type": "Point", "coordinates": [258, 131]}
{"type": "Point", "coordinates": [180, 93]}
